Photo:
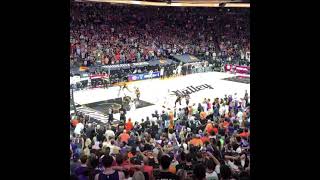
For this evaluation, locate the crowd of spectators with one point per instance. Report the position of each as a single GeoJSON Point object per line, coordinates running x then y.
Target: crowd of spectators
{"type": "Point", "coordinates": [205, 140]}
{"type": "Point", "coordinates": [208, 140]}
{"type": "Point", "coordinates": [102, 33]}
{"type": "Point", "coordinates": [166, 71]}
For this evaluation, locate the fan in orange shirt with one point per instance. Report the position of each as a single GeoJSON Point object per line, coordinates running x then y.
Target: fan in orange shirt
{"type": "Point", "coordinates": [171, 115]}
{"type": "Point", "coordinates": [129, 125]}
{"type": "Point", "coordinates": [171, 120]}
{"type": "Point", "coordinates": [190, 110]}
{"type": "Point", "coordinates": [196, 141]}
{"type": "Point", "coordinates": [172, 169]}
{"type": "Point", "coordinates": [124, 137]}
{"type": "Point", "coordinates": [225, 124]}
{"type": "Point", "coordinates": [203, 115]}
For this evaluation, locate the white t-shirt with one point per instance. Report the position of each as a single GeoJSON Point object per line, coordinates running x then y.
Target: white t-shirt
{"type": "Point", "coordinates": [78, 51]}
{"type": "Point", "coordinates": [226, 107]}
{"type": "Point", "coordinates": [78, 128]}
{"type": "Point", "coordinates": [239, 115]}
{"type": "Point", "coordinates": [105, 144]}
{"type": "Point", "coordinates": [212, 176]}
{"type": "Point", "coordinates": [205, 107]}
{"type": "Point", "coordinates": [179, 69]}
{"type": "Point", "coordinates": [132, 106]}
{"type": "Point", "coordinates": [161, 71]}
{"type": "Point", "coordinates": [235, 97]}
{"type": "Point", "coordinates": [217, 169]}
{"type": "Point", "coordinates": [222, 109]}
{"type": "Point", "coordinates": [171, 136]}
{"type": "Point", "coordinates": [232, 165]}
{"type": "Point", "coordinates": [214, 54]}
{"type": "Point", "coordinates": [239, 150]}
{"type": "Point", "coordinates": [109, 133]}
{"type": "Point", "coordinates": [113, 148]}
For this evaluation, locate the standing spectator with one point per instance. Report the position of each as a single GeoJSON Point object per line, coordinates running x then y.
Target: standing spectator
{"type": "Point", "coordinates": [124, 137]}
{"type": "Point", "coordinates": [225, 173]}
{"type": "Point", "coordinates": [90, 131]}
{"type": "Point", "coordinates": [100, 133]}
{"type": "Point", "coordinates": [165, 162]}
{"type": "Point", "coordinates": [147, 168]}
{"type": "Point", "coordinates": [123, 112]}
{"type": "Point", "coordinates": [83, 170]}
{"type": "Point", "coordinates": [109, 133]}
{"type": "Point", "coordinates": [74, 163]}
{"type": "Point", "coordinates": [129, 125]}
{"type": "Point", "coordinates": [79, 128]}
{"type": "Point", "coordinates": [200, 172]}
{"type": "Point", "coordinates": [110, 115]}
{"type": "Point", "coordinates": [108, 172]}
{"type": "Point", "coordinates": [210, 170]}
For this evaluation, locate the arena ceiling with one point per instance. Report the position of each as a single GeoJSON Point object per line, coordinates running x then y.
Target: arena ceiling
{"type": "Point", "coordinates": [187, 3]}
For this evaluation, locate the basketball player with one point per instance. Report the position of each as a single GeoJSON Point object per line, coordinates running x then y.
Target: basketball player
{"type": "Point", "coordinates": [178, 100]}
{"type": "Point", "coordinates": [123, 113]}
{"type": "Point", "coordinates": [174, 72]}
{"type": "Point", "coordinates": [125, 86]}
{"type": "Point", "coordinates": [179, 70]}
{"type": "Point", "coordinates": [138, 94]}
{"type": "Point", "coordinates": [161, 72]}
{"type": "Point", "coordinates": [110, 114]}
{"type": "Point", "coordinates": [132, 105]}
{"type": "Point", "coordinates": [105, 81]}
{"type": "Point", "coordinates": [187, 97]}
{"type": "Point", "coordinates": [151, 73]}
{"type": "Point", "coordinates": [122, 89]}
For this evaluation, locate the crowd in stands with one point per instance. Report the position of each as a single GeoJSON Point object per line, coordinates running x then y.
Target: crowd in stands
{"type": "Point", "coordinates": [166, 71]}
{"type": "Point", "coordinates": [209, 140]}
{"type": "Point", "coordinates": [101, 33]}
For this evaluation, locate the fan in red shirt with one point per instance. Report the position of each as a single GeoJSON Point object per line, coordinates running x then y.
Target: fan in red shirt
{"type": "Point", "coordinates": [209, 127]}
{"type": "Point", "coordinates": [147, 168]}
{"type": "Point", "coordinates": [205, 138]}
{"type": "Point", "coordinates": [245, 133]}
{"type": "Point", "coordinates": [74, 122]}
{"type": "Point", "coordinates": [215, 129]}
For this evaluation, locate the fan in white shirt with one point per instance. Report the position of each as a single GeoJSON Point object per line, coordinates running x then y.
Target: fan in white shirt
{"type": "Point", "coordinates": [239, 115]}
{"type": "Point", "coordinates": [235, 97]}
{"type": "Point", "coordinates": [222, 110]}
{"type": "Point", "coordinates": [79, 128]}
{"type": "Point", "coordinates": [109, 133]}
{"type": "Point", "coordinates": [114, 149]}
{"type": "Point", "coordinates": [205, 106]}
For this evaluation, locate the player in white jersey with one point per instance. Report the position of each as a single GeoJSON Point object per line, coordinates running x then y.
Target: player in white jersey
{"type": "Point", "coordinates": [168, 98]}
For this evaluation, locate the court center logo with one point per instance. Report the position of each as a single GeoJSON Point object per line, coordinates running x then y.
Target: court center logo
{"type": "Point", "coordinates": [191, 89]}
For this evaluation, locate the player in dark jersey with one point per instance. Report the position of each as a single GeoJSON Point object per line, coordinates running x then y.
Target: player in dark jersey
{"type": "Point", "coordinates": [177, 100]}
